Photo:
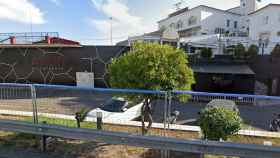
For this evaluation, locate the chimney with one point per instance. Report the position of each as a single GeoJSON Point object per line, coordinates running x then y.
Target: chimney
{"type": "Point", "coordinates": [12, 40]}
{"type": "Point", "coordinates": [48, 39]}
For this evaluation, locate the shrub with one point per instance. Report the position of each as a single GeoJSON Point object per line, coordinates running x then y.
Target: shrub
{"type": "Point", "coordinates": [276, 51]}
{"type": "Point", "coordinates": [252, 51]}
{"type": "Point", "coordinates": [219, 122]}
{"type": "Point", "coordinates": [239, 51]}
{"type": "Point", "coordinates": [206, 53]}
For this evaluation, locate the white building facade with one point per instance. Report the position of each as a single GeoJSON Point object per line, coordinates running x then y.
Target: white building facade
{"type": "Point", "coordinates": [265, 27]}
{"type": "Point", "coordinates": [243, 24]}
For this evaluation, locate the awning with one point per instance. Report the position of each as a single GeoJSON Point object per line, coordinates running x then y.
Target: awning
{"type": "Point", "coordinates": [223, 69]}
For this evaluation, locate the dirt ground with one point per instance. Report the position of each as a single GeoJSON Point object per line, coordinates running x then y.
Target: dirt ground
{"type": "Point", "coordinates": [27, 146]}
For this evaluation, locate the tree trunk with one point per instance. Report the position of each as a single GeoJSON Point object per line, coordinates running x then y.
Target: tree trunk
{"type": "Point", "coordinates": [146, 115]}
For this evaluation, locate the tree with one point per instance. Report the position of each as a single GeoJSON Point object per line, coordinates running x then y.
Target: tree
{"type": "Point", "coordinates": [276, 51]}
{"type": "Point", "coordinates": [252, 51]}
{"type": "Point", "coordinates": [239, 51]}
{"type": "Point", "coordinates": [206, 53]}
{"type": "Point", "coordinates": [151, 66]}
{"type": "Point", "coordinates": [219, 122]}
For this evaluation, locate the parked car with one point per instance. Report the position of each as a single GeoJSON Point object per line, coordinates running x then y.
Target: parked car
{"type": "Point", "coordinates": [223, 102]}
{"type": "Point", "coordinates": [118, 109]}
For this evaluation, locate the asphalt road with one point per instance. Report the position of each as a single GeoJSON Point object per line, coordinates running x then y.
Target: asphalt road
{"type": "Point", "coordinates": [256, 116]}
{"type": "Point", "coordinates": [69, 102]}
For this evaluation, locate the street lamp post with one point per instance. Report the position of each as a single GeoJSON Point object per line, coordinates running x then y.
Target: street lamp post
{"type": "Point", "coordinates": [111, 30]}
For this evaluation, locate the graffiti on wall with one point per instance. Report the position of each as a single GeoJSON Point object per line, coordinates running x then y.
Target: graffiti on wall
{"type": "Point", "coordinates": [56, 65]}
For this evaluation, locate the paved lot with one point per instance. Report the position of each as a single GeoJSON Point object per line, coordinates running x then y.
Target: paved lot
{"type": "Point", "coordinates": [63, 102]}
{"type": "Point", "coordinates": [256, 116]}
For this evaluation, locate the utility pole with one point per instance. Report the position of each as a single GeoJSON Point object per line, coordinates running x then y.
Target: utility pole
{"type": "Point", "coordinates": [31, 24]}
{"type": "Point", "coordinates": [111, 30]}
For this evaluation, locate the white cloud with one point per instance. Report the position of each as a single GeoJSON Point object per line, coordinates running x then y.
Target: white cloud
{"type": "Point", "coordinates": [20, 11]}
{"type": "Point", "coordinates": [124, 23]}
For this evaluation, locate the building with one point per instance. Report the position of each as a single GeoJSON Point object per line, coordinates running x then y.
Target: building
{"type": "Point", "coordinates": [160, 36]}
{"type": "Point", "coordinates": [264, 27]}
{"type": "Point", "coordinates": [205, 26]}
{"type": "Point", "coordinates": [45, 57]}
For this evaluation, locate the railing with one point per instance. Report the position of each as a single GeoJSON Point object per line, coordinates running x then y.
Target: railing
{"type": "Point", "coordinates": [160, 143]}
{"type": "Point", "coordinates": [58, 105]}
{"type": "Point", "coordinates": [26, 37]}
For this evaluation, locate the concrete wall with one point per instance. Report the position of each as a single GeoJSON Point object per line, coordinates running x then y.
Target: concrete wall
{"type": "Point", "coordinates": [267, 70]}
{"type": "Point", "coordinates": [55, 65]}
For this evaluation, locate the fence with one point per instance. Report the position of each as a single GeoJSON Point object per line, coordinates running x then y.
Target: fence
{"type": "Point", "coordinates": [59, 105]}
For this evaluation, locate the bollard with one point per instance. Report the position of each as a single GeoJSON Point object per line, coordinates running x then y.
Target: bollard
{"type": "Point", "coordinates": [44, 141]}
{"type": "Point", "coordinates": [78, 119]}
{"type": "Point", "coordinates": [99, 120]}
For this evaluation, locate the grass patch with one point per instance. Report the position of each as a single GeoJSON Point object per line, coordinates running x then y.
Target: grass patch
{"type": "Point", "coordinates": [62, 122]}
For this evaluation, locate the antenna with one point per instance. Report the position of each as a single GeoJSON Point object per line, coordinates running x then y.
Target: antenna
{"type": "Point", "coordinates": [179, 4]}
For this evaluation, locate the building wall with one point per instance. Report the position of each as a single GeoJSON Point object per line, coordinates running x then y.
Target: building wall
{"type": "Point", "coordinates": [183, 17]}
{"type": "Point", "coordinates": [236, 10]}
{"type": "Point", "coordinates": [266, 68]}
{"type": "Point", "coordinates": [241, 84]}
{"type": "Point", "coordinates": [212, 19]}
{"type": "Point", "coordinates": [208, 20]}
{"type": "Point", "coordinates": [56, 65]}
{"type": "Point", "coordinates": [262, 28]}
{"type": "Point", "coordinates": [248, 6]}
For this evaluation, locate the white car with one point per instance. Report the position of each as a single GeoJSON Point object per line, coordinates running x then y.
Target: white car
{"type": "Point", "coordinates": [117, 109]}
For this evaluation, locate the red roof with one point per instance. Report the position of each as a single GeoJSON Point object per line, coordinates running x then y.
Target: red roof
{"type": "Point", "coordinates": [58, 40]}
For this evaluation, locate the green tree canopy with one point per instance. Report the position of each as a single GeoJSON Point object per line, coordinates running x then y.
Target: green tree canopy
{"type": "Point", "coordinates": [252, 51]}
{"type": "Point", "coordinates": [151, 66]}
{"type": "Point", "coordinates": [276, 51]}
{"type": "Point", "coordinates": [239, 51]}
{"type": "Point", "coordinates": [219, 122]}
{"type": "Point", "coordinates": [206, 53]}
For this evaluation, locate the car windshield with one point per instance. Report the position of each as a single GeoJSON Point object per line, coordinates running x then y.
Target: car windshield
{"type": "Point", "coordinates": [114, 105]}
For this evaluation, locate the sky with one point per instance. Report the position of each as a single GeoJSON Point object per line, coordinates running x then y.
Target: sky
{"type": "Point", "coordinates": [89, 21]}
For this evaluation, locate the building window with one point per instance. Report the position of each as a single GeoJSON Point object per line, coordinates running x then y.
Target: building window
{"type": "Point", "coordinates": [192, 20]}
{"type": "Point", "coordinates": [266, 20]}
{"type": "Point", "coordinates": [162, 28]}
{"type": "Point", "coordinates": [235, 24]}
{"type": "Point", "coordinates": [172, 25]}
{"type": "Point", "coordinates": [228, 23]}
{"type": "Point", "coordinates": [179, 24]}
{"type": "Point", "coordinates": [219, 31]}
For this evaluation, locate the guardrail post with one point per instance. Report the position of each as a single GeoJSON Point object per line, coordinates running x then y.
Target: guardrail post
{"type": "Point", "coordinates": [99, 120]}
{"type": "Point", "coordinates": [78, 119]}
{"type": "Point", "coordinates": [44, 141]}
{"type": "Point", "coordinates": [34, 104]}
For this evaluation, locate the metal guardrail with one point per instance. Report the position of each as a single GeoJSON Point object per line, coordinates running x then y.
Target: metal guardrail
{"type": "Point", "coordinates": [175, 92]}
{"type": "Point", "coordinates": [162, 143]}
{"type": "Point", "coordinates": [229, 149]}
